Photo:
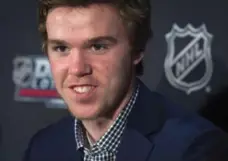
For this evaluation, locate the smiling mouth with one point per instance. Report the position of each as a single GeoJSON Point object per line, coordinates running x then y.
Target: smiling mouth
{"type": "Point", "coordinates": [83, 89]}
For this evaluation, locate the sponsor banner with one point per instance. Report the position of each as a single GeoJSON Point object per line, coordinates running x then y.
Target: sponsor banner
{"type": "Point", "coordinates": [33, 81]}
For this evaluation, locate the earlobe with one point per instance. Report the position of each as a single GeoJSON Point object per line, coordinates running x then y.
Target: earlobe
{"type": "Point", "coordinates": [138, 58]}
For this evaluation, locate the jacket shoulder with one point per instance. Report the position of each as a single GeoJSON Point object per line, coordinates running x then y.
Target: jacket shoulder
{"type": "Point", "coordinates": [51, 140]}
{"type": "Point", "coordinates": [56, 130]}
{"type": "Point", "coordinates": [187, 133]}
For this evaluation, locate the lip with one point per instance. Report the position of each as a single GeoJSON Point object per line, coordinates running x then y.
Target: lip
{"type": "Point", "coordinates": [82, 96]}
{"type": "Point", "coordinates": [80, 85]}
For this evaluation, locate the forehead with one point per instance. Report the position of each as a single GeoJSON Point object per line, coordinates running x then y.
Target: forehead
{"type": "Point", "coordinates": [84, 22]}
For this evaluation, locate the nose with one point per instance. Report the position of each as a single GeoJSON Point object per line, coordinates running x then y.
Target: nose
{"type": "Point", "coordinates": [78, 65]}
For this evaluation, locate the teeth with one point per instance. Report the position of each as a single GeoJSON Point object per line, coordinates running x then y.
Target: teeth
{"type": "Point", "coordinates": [83, 89]}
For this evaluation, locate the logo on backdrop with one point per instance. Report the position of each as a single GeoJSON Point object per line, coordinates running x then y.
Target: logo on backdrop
{"type": "Point", "coordinates": [188, 64]}
{"type": "Point", "coordinates": [33, 81]}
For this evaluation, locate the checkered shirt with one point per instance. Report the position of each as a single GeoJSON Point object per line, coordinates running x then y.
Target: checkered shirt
{"type": "Point", "coordinates": [105, 149]}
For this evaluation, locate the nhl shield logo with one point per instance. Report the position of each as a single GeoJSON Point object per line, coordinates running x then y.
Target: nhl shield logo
{"type": "Point", "coordinates": [188, 64]}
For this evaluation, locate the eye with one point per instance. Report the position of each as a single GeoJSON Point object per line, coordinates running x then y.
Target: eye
{"type": "Point", "coordinates": [99, 47]}
{"type": "Point", "coordinates": [60, 48]}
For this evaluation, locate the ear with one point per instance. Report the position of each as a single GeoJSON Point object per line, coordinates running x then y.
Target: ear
{"type": "Point", "coordinates": [138, 58]}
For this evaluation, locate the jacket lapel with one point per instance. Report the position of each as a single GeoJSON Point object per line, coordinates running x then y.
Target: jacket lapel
{"type": "Point", "coordinates": [67, 144]}
{"type": "Point", "coordinates": [146, 118]}
{"type": "Point", "coordinates": [76, 156]}
{"type": "Point", "coordinates": [134, 146]}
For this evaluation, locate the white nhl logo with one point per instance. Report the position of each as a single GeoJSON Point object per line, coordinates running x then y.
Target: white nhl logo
{"type": "Point", "coordinates": [180, 65]}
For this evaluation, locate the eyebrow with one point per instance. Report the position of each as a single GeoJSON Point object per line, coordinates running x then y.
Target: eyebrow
{"type": "Point", "coordinates": [111, 39]}
{"type": "Point", "coordinates": [56, 41]}
{"type": "Point", "coordinates": [102, 38]}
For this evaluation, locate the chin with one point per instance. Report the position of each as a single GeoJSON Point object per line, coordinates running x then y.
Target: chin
{"type": "Point", "coordinates": [84, 114]}
{"type": "Point", "coordinates": [86, 117]}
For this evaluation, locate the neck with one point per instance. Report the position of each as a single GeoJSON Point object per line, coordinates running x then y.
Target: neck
{"type": "Point", "coordinates": [97, 128]}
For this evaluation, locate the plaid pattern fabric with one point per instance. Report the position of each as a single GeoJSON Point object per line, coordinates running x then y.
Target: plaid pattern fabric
{"type": "Point", "coordinates": [105, 148]}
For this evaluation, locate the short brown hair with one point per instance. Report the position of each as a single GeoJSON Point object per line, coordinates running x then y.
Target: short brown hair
{"type": "Point", "coordinates": [134, 13]}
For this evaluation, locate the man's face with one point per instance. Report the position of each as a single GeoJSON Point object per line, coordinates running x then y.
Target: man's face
{"type": "Point", "coordinates": [90, 59]}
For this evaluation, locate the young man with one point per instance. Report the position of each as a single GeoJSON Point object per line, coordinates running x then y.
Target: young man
{"type": "Point", "coordinates": [95, 49]}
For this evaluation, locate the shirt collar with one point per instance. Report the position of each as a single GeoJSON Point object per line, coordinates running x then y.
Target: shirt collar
{"type": "Point", "coordinates": [111, 139]}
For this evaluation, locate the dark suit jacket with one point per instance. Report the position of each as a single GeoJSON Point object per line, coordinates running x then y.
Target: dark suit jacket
{"type": "Point", "coordinates": [157, 130]}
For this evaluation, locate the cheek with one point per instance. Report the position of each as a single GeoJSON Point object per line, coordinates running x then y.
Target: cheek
{"type": "Point", "coordinates": [101, 70]}
{"type": "Point", "coordinates": [112, 67]}
{"type": "Point", "coordinates": [59, 70]}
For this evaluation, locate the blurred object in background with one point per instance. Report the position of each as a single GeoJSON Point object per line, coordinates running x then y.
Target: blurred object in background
{"type": "Point", "coordinates": [215, 109]}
